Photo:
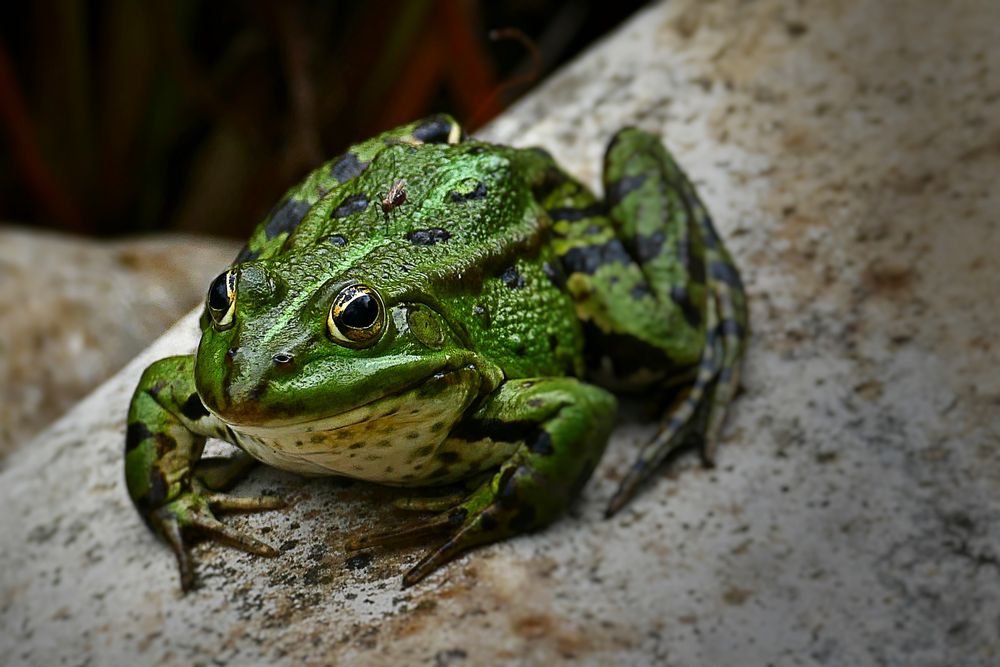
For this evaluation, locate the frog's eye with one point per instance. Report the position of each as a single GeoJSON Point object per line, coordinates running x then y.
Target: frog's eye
{"type": "Point", "coordinates": [222, 300]}
{"type": "Point", "coordinates": [356, 317]}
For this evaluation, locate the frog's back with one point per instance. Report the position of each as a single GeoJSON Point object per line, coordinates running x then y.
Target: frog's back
{"type": "Point", "coordinates": [469, 239]}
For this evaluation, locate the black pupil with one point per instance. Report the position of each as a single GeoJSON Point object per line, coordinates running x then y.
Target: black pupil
{"type": "Point", "coordinates": [218, 294]}
{"type": "Point", "coordinates": [360, 313]}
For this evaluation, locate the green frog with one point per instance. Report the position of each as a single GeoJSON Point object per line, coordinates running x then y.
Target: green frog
{"type": "Point", "coordinates": [429, 310]}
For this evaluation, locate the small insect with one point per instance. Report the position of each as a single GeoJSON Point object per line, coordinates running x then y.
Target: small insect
{"type": "Point", "coordinates": [395, 197]}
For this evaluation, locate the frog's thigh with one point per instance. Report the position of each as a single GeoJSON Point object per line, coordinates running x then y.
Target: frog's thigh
{"type": "Point", "coordinates": [562, 425]}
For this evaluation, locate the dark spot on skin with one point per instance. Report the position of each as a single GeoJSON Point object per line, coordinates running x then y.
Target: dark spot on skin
{"type": "Point", "coordinates": [384, 443]}
{"type": "Point", "coordinates": [426, 237]}
{"type": "Point", "coordinates": [434, 130]}
{"type": "Point", "coordinates": [388, 469]}
{"type": "Point", "coordinates": [356, 445]}
{"type": "Point", "coordinates": [347, 167]}
{"type": "Point", "coordinates": [535, 403]}
{"type": "Point", "coordinates": [285, 217]}
{"type": "Point", "coordinates": [480, 311]}
{"type": "Point", "coordinates": [353, 204]}
{"type": "Point", "coordinates": [474, 430]}
{"type": "Point", "coordinates": [135, 434]}
{"type": "Point", "coordinates": [487, 521]}
{"type": "Point", "coordinates": [551, 178]}
{"type": "Point", "coordinates": [512, 279]}
{"type": "Point", "coordinates": [478, 193]}
{"type": "Point", "coordinates": [574, 214]}
{"type": "Point", "coordinates": [336, 239]}
{"type": "Point", "coordinates": [648, 247]}
{"type": "Point", "coordinates": [682, 299]}
{"type": "Point", "coordinates": [541, 444]}
{"type": "Point", "coordinates": [627, 353]}
{"type": "Point", "coordinates": [730, 327]}
{"type": "Point", "coordinates": [725, 273]}
{"type": "Point", "coordinates": [640, 290]}
{"type": "Point", "coordinates": [246, 255]}
{"type": "Point", "coordinates": [408, 476]}
{"type": "Point", "coordinates": [282, 358]}
{"type": "Point", "coordinates": [448, 457]}
{"type": "Point", "coordinates": [523, 520]}
{"type": "Point", "coordinates": [424, 451]}
{"type": "Point", "coordinates": [589, 258]}
{"type": "Point", "coordinates": [157, 488]}
{"type": "Point", "coordinates": [359, 562]}
{"type": "Point", "coordinates": [507, 489]}
{"type": "Point", "coordinates": [618, 190]}
{"type": "Point", "coordinates": [193, 408]}
{"type": "Point", "coordinates": [412, 435]}
{"type": "Point", "coordinates": [165, 443]}
{"type": "Point", "coordinates": [372, 457]}
{"type": "Point", "coordinates": [437, 426]}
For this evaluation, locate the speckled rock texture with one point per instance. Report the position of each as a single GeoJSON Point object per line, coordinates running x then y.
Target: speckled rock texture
{"type": "Point", "coordinates": [73, 311]}
{"type": "Point", "coordinates": [849, 151]}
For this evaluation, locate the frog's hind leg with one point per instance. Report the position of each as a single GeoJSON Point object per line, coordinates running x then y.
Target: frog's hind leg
{"type": "Point", "coordinates": [660, 217]}
{"type": "Point", "coordinates": [561, 426]}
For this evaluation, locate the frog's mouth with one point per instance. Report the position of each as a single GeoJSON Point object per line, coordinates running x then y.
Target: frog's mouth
{"type": "Point", "coordinates": [424, 401]}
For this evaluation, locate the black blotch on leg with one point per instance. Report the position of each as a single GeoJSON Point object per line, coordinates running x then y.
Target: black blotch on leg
{"type": "Point", "coordinates": [193, 408]}
{"type": "Point", "coordinates": [618, 190]}
{"type": "Point", "coordinates": [135, 434]}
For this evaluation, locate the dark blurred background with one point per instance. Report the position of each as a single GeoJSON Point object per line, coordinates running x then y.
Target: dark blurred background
{"type": "Point", "coordinates": [128, 116]}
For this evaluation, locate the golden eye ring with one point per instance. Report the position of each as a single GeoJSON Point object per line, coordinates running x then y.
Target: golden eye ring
{"type": "Point", "coordinates": [357, 316]}
{"type": "Point", "coordinates": [221, 300]}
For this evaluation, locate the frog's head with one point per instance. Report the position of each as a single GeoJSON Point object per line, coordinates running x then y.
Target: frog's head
{"type": "Point", "coordinates": [288, 344]}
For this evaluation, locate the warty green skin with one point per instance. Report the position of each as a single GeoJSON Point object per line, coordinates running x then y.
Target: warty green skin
{"type": "Point", "coordinates": [506, 294]}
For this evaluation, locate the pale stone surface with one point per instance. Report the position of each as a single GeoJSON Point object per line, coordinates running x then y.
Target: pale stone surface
{"type": "Point", "coordinates": [73, 311]}
{"type": "Point", "coordinates": [849, 152]}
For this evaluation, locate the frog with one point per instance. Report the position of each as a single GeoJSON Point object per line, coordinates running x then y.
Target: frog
{"type": "Point", "coordinates": [436, 312]}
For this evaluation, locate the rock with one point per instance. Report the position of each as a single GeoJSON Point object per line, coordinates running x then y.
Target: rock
{"type": "Point", "coordinates": [73, 311]}
{"type": "Point", "coordinates": [849, 152]}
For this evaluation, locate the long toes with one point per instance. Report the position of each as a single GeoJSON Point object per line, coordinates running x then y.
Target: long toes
{"type": "Point", "coordinates": [449, 520]}
{"type": "Point", "coordinates": [626, 489]}
{"type": "Point", "coordinates": [224, 502]}
{"type": "Point", "coordinates": [470, 534]}
{"type": "Point", "coordinates": [171, 530]}
{"type": "Point", "coordinates": [433, 504]}
{"type": "Point", "coordinates": [233, 537]}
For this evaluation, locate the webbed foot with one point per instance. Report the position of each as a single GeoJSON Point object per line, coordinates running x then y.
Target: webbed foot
{"type": "Point", "coordinates": [194, 512]}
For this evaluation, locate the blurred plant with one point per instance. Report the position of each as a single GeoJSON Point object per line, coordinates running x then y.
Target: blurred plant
{"type": "Point", "coordinates": [129, 116]}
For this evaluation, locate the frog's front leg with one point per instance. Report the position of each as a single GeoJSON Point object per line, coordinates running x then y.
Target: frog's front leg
{"type": "Point", "coordinates": [562, 427]}
{"type": "Point", "coordinates": [173, 490]}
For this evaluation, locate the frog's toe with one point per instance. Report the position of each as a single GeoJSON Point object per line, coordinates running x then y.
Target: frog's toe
{"type": "Point", "coordinates": [475, 530]}
{"type": "Point", "coordinates": [192, 512]}
{"type": "Point", "coordinates": [438, 524]}
{"type": "Point", "coordinates": [429, 504]}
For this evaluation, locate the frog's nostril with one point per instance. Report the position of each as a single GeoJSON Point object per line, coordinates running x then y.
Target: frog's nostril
{"type": "Point", "coordinates": [282, 358]}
